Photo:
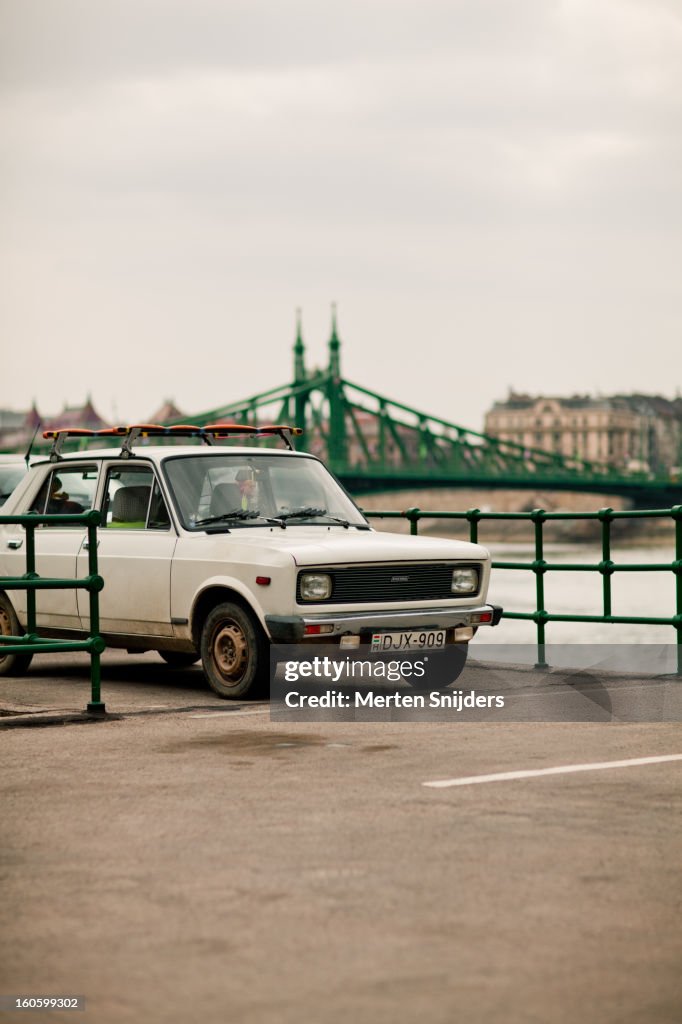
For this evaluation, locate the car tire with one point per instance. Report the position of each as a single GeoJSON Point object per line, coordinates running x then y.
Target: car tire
{"type": "Point", "coordinates": [234, 652]}
{"type": "Point", "coordinates": [179, 659]}
{"type": "Point", "coordinates": [442, 668]}
{"type": "Point", "coordinates": [11, 664]}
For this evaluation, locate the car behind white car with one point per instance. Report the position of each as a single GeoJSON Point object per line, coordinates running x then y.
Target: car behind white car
{"type": "Point", "coordinates": [12, 470]}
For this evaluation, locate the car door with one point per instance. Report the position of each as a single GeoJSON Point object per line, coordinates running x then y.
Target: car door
{"type": "Point", "coordinates": [63, 488]}
{"type": "Point", "coordinates": [135, 549]}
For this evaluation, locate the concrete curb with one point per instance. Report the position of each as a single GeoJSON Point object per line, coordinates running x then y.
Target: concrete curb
{"type": "Point", "coordinates": [41, 720]}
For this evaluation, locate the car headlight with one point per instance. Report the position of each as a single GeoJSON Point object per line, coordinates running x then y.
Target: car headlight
{"type": "Point", "coordinates": [315, 586]}
{"type": "Point", "coordinates": [465, 581]}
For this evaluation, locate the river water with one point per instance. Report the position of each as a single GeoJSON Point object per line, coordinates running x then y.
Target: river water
{"type": "Point", "coordinates": [580, 593]}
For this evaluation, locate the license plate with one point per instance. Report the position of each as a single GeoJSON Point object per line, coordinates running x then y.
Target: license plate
{"type": "Point", "coordinates": [418, 640]}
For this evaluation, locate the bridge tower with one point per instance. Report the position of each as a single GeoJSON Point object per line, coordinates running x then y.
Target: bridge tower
{"type": "Point", "coordinates": [337, 446]}
{"type": "Point", "coordinates": [300, 393]}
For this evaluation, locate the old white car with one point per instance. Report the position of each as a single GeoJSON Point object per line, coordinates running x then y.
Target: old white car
{"type": "Point", "coordinates": [215, 552]}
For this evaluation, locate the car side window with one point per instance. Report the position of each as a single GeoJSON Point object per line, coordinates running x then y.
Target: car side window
{"type": "Point", "coordinates": [67, 490]}
{"type": "Point", "coordinates": [133, 500]}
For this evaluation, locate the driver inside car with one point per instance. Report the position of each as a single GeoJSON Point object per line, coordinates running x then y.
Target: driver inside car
{"type": "Point", "coordinates": [248, 489]}
{"type": "Point", "coordinates": [58, 501]}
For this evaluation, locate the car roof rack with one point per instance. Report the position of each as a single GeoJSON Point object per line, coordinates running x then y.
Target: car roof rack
{"type": "Point", "coordinates": [132, 433]}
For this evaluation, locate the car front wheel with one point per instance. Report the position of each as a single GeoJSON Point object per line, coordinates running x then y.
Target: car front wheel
{"type": "Point", "coordinates": [233, 652]}
{"type": "Point", "coordinates": [11, 664]}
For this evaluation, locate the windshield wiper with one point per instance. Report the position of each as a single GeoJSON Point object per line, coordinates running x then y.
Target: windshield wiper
{"type": "Point", "coordinates": [238, 514]}
{"type": "Point", "coordinates": [313, 513]}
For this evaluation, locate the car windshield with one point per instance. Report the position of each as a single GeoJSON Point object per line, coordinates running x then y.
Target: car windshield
{"type": "Point", "coordinates": [9, 478]}
{"type": "Point", "coordinates": [239, 490]}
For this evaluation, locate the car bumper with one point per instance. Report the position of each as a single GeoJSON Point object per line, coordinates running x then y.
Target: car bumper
{"type": "Point", "coordinates": [292, 628]}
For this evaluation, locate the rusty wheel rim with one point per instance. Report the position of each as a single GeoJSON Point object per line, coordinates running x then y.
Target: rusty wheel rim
{"type": "Point", "coordinates": [230, 652]}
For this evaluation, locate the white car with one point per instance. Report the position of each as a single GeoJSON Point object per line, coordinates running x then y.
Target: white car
{"type": "Point", "coordinates": [216, 552]}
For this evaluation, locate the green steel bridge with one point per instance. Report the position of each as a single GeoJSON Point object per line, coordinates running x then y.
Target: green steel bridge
{"type": "Point", "coordinates": [373, 443]}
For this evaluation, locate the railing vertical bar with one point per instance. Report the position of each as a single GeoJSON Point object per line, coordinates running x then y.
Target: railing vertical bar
{"type": "Point", "coordinates": [31, 627]}
{"type": "Point", "coordinates": [413, 515]}
{"type": "Point", "coordinates": [605, 517]}
{"type": "Point", "coordinates": [95, 704]}
{"type": "Point", "coordinates": [538, 517]}
{"type": "Point", "coordinates": [473, 515]}
{"type": "Point", "coordinates": [677, 513]}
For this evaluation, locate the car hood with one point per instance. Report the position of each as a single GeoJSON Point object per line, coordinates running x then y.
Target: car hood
{"type": "Point", "coordinates": [320, 545]}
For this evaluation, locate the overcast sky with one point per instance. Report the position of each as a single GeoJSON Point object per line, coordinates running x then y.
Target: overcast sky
{"type": "Point", "coordinates": [490, 190]}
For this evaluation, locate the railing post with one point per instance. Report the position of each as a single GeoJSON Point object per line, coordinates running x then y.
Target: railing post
{"type": "Point", "coordinates": [538, 518]}
{"type": "Point", "coordinates": [95, 584]}
{"type": "Point", "coordinates": [473, 515]}
{"type": "Point", "coordinates": [606, 565]}
{"type": "Point", "coordinates": [676, 512]}
{"type": "Point", "coordinates": [31, 627]}
{"type": "Point", "coordinates": [413, 515]}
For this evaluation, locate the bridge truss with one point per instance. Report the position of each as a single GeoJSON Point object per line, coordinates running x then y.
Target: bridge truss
{"type": "Point", "coordinates": [374, 443]}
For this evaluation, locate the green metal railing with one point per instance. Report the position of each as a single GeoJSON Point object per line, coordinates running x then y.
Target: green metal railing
{"type": "Point", "coordinates": [31, 582]}
{"type": "Point", "coordinates": [539, 566]}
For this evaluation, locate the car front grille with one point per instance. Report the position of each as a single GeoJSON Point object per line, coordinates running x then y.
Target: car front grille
{"type": "Point", "coordinates": [394, 582]}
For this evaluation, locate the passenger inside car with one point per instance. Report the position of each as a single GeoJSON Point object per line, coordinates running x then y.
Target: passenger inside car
{"type": "Point", "coordinates": [52, 500]}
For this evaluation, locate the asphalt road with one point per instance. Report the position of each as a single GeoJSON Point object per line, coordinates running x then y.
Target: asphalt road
{"type": "Point", "coordinates": [195, 861]}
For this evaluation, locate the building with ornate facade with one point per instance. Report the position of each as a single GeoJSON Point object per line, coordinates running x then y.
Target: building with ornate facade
{"type": "Point", "coordinates": [627, 431]}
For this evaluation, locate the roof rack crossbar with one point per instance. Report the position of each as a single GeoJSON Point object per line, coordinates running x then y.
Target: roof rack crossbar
{"type": "Point", "coordinates": [132, 433]}
{"type": "Point", "coordinates": [281, 430]}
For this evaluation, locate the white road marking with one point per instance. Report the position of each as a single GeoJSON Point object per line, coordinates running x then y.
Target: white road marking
{"type": "Point", "coordinates": [472, 780]}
